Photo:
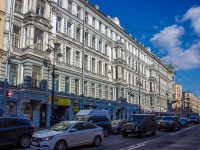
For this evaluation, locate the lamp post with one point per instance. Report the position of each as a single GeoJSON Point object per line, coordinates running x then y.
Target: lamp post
{"type": "Point", "coordinates": [139, 84]}
{"type": "Point", "coordinates": [49, 50]}
{"type": "Point", "coordinates": [83, 54]}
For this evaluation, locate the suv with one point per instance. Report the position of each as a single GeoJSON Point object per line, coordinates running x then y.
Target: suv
{"type": "Point", "coordinates": [15, 131]}
{"type": "Point", "coordinates": [140, 124]}
{"type": "Point", "coordinates": [169, 122]}
{"type": "Point", "coordinates": [194, 119]}
{"type": "Point", "coordinates": [99, 119]}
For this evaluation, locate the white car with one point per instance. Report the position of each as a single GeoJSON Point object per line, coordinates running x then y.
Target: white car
{"type": "Point", "coordinates": [68, 134]}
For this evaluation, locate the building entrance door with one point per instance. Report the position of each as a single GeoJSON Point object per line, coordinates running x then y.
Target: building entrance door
{"type": "Point", "coordinates": [43, 115]}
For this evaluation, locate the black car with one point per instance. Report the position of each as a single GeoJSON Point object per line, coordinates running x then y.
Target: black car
{"type": "Point", "coordinates": [15, 131]}
{"type": "Point", "coordinates": [194, 119]}
{"type": "Point", "coordinates": [140, 124]}
{"type": "Point", "coordinates": [100, 120]}
{"type": "Point", "coordinates": [184, 122]}
{"type": "Point", "coordinates": [116, 125]}
{"type": "Point", "coordinates": [169, 122]}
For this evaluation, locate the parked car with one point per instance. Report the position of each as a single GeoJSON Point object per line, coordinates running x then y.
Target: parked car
{"type": "Point", "coordinates": [68, 134]}
{"type": "Point", "coordinates": [98, 117]}
{"type": "Point", "coordinates": [169, 122]}
{"type": "Point", "coordinates": [140, 124]}
{"type": "Point", "coordinates": [158, 118]}
{"type": "Point", "coordinates": [194, 119]}
{"type": "Point", "coordinates": [15, 131]}
{"type": "Point", "coordinates": [116, 125]}
{"type": "Point", "coordinates": [184, 122]}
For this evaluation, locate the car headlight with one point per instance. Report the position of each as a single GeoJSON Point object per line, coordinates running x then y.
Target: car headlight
{"type": "Point", "coordinates": [47, 138]}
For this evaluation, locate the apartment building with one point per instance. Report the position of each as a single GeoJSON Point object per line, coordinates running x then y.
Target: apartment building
{"type": "Point", "coordinates": [115, 64]}
{"type": "Point", "coordinates": [178, 103]}
{"type": "Point", "coordinates": [190, 104]}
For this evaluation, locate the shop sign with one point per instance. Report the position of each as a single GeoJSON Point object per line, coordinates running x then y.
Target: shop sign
{"type": "Point", "coordinates": [63, 102]}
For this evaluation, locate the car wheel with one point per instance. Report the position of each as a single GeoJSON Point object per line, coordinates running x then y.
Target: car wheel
{"type": "Point", "coordinates": [154, 132]}
{"type": "Point", "coordinates": [125, 135]}
{"type": "Point", "coordinates": [97, 141]}
{"type": "Point", "coordinates": [142, 134]}
{"type": "Point", "coordinates": [61, 145]}
{"type": "Point", "coordinates": [24, 141]}
{"type": "Point", "coordinates": [105, 132]}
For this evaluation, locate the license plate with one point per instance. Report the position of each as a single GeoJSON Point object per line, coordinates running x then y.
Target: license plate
{"type": "Point", "coordinates": [128, 130]}
{"type": "Point", "coordinates": [34, 143]}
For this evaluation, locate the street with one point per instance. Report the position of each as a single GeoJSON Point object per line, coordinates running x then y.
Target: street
{"type": "Point", "coordinates": [184, 139]}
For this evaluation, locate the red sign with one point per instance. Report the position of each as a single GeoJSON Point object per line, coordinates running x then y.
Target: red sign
{"type": "Point", "coordinates": [9, 93]}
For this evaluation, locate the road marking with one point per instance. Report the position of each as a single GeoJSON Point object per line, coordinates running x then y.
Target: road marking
{"type": "Point", "coordinates": [135, 146]}
{"type": "Point", "coordinates": [183, 130]}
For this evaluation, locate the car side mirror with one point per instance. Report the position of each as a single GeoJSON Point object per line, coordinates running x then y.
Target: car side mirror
{"type": "Point", "coordinates": [73, 130]}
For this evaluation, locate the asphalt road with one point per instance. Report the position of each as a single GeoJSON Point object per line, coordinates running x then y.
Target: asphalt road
{"type": "Point", "coordinates": [184, 139]}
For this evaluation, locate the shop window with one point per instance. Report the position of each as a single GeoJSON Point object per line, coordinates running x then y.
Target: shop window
{"type": "Point", "coordinates": [11, 109]}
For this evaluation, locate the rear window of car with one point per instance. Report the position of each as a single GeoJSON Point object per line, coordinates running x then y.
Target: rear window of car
{"type": "Point", "coordinates": [137, 118]}
{"type": "Point", "coordinates": [168, 118]}
{"type": "Point", "coordinates": [23, 122]}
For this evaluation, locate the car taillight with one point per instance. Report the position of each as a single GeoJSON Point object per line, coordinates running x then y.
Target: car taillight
{"type": "Point", "coordinates": [32, 127]}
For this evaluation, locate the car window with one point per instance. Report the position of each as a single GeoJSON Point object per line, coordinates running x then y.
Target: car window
{"type": "Point", "coordinates": [10, 122]}
{"type": "Point", "coordinates": [61, 126]}
{"type": "Point", "coordinates": [88, 126]}
{"type": "Point", "coordinates": [23, 122]}
{"type": "Point", "coordinates": [104, 119]}
{"type": "Point", "coordinates": [1, 123]}
{"type": "Point", "coordinates": [98, 119]}
{"type": "Point", "coordinates": [137, 118]}
{"type": "Point", "coordinates": [78, 126]}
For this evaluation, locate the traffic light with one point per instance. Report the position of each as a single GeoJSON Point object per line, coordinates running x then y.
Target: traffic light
{"type": "Point", "coordinates": [9, 93]}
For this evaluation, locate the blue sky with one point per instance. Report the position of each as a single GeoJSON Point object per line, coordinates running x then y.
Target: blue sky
{"type": "Point", "coordinates": [171, 28]}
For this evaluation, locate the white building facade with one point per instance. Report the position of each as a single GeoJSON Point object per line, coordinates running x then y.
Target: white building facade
{"type": "Point", "coordinates": [114, 64]}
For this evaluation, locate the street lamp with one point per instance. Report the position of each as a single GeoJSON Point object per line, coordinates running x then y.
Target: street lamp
{"type": "Point", "coordinates": [139, 84]}
{"type": "Point", "coordinates": [83, 54]}
{"type": "Point", "coordinates": [49, 50]}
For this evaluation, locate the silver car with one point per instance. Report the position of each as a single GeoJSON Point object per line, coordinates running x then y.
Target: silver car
{"type": "Point", "coordinates": [68, 134]}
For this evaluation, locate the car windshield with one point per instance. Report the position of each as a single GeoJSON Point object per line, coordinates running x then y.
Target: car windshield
{"type": "Point", "coordinates": [115, 122]}
{"type": "Point", "coordinates": [137, 118]}
{"type": "Point", "coordinates": [168, 118]}
{"type": "Point", "coordinates": [81, 118]}
{"type": "Point", "coordinates": [61, 126]}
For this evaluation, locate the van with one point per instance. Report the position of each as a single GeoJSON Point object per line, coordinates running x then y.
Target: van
{"type": "Point", "coordinates": [98, 117]}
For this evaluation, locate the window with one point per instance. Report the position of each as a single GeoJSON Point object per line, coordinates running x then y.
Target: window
{"type": "Point", "coordinates": [116, 70]}
{"type": "Point", "coordinates": [88, 126]}
{"type": "Point", "coordinates": [18, 6]}
{"type": "Point", "coordinates": [129, 79]}
{"type": "Point", "coordinates": [93, 89]}
{"type": "Point", "coordinates": [93, 65]}
{"type": "Point", "coordinates": [100, 28]}
{"type": "Point", "coordinates": [93, 42]}
{"type": "Point", "coordinates": [67, 85]}
{"type": "Point", "coordinates": [100, 91]}
{"type": "Point", "coordinates": [1, 123]}
{"type": "Point", "coordinates": [106, 70]}
{"type": "Point", "coordinates": [16, 37]}
{"type": "Point", "coordinates": [57, 47]}
{"type": "Point", "coordinates": [86, 39]}
{"type": "Point", "coordinates": [86, 17]}
{"type": "Point", "coordinates": [85, 88]}
{"type": "Point", "coordinates": [69, 25]}
{"type": "Point", "coordinates": [100, 67]}
{"type": "Point", "coordinates": [59, 2]}
{"type": "Point", "coordinates": [106, 49]}
{"type": "Point", "coordinates": [38, 39]}
{"type": "Point", "coordinates": [58, 24]}
{"type": "Point", "coordinates": [112, 72]}
{"type": "Point", "coordinates": [70, 6]}
{"type": "Point", "coordinates": [106, 92]}
{"type": "Point", "coordinates": [78, 34]}
{"type": "Point", "coordinates": [56, 81]}
{"type": "Point", "coordinates": [123, 93]}
{"type": "Point", "coordinates": [78, 12]}
{"type": "Point", "coordinates": [100, 46]}
{"type": "Point", "coordinates": [93, 22]}
{"type": "Point", "coordinates": [13, 75]}
{"type": "Point", "coordinates": [86, 62]}
{"type": "Point", "coordinates": [77, 64]}
{"type": "Point", "coordinates": [111, 93]}
{"type": "Point", "coordinates": [40, 10]}
{"type": "Point", "coordinates": [76, 86]}
{"type": "Point", "coordinates": [122, 74]}
{"type": "Point", "coordinates": [36, 77]}
{"type": "Point", "coordinates": [67, 55]}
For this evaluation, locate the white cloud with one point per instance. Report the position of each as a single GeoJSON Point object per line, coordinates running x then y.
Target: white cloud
{"type": "Point", "coordinates": [169, 40]}
{"type": "Point", "coordinates": [194, 16]}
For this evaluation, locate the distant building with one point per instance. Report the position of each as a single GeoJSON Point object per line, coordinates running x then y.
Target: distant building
{"type": "Point", "coordinates": [178, 103]}
{"type": "Point", "coordinates": [191, 104]}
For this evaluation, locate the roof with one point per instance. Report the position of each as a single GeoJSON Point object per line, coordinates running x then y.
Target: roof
{"type": "Point", "coordinates": [171, 67]}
